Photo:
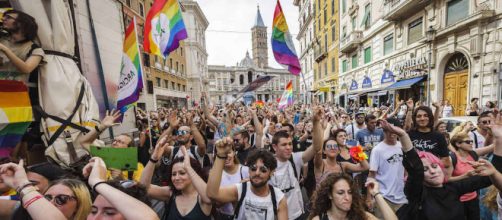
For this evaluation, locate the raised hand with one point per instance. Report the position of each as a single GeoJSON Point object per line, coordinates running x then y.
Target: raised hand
{"type": "Point", "coordinates": [95, 170]}
{"type": "Point", "coordinates": [13, 175]}
{"type": "Point", "coordinates": [318, 112]}
{"type": "Point", "coordinates": [173, 119]}
{"type": "Point", "coordinates": [496, 126]}
{"type": "Point", "coordinates": [409, 103]}
{"type": "Point", "coordinates": [110, 118]}
{"type": "Point", "coordinates": [391, 128]}
{"type": "Point", "coordinates": [160, 148]}
{"type": "Point", "coordinates": [224, 146]}
{"type": "Point", "coordinates": [372, 186]}
{"type": "Point", "coordinates": [436, 104]}
{"type": "Point", "coordinates": [186, 157]}
{"type": "Point", "coordinates": [482, 167]}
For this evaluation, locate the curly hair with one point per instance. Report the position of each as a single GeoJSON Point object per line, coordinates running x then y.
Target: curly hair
{"type": "Point", "coordinates": [195, 166]}
{"type": "Point", "coordinates": [26, 24]}
{"type": "Point", "coordinates": [267, 158]}
{"type": "Point", "coordinates": [430, 115]}
{"type": "Point", "coordinates": [322, 203]}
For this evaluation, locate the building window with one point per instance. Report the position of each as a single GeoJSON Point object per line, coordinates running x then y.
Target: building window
{"type": "Point", "coordinates": [250, 77]}
{"type": "Point", "coordinates": [181, 51]}
{"type": "Point", "coordinates": [388, 44]}
{"type": "Point", "coordinates": [415, 31]}
{"type": "Point", "coordinates": [344, 6]}
{"type": "Point", "coordinates": [177, 66]}
{"type": "Point", "coordinates": [182, 69]}
{"type": "Point", "coordinates": [166, 83]}
{"type": "Point", "coordinates": [241, 79]}
{"type": "Point", "coordinates": [344, 32]}
{"type": "Point", "coordinates": [325, 42]}
{"type": "Point", "coordinates": [179, 87]}
{"type": "Point", "coordinates": [456, 11]}
{"type": "Point", "coordinates": [353, 22]}
{"type": "Point", "coordinates": [367, 55]}
{"type": "Point", "coordinates": [325, 68]}
{"type": "Point", "coordinates": [333, 33]}
{"type": "Point", "coordinates": [158, 81]}
{"type": "Point", "coordinates": [146, 59]}
{"type": "Point", "coordinates": [172, 86]}
{"type": "Point", "coordinates": [332, 7]}
{"type": "Point", "coordinates": [354, 61]}
{"type": "Point", "coordinates": [367, 16]}
{"type": "Point", "coordinates": [344, 66]}
{"type": "Point", "coordinates": [315, 75]}
{"type": "Point", "coordinates": [184, 88]}
{"type": "Point", "coordinates": [333, 65]}
{"type": "Point", "coordinates": [141, 10]}
{"type": "Point", "coordinates": [128, 3]}
{"type": "Point", "coordinates": [171, 63]}
{"type": "Point", "coordinates": [325, 16]}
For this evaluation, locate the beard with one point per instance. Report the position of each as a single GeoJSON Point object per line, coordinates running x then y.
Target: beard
{"type": "Point", "coordinates": [259, 184]}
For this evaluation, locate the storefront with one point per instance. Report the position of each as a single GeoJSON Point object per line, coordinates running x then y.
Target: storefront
{"type": "Point", "coordinates": [412, 79]}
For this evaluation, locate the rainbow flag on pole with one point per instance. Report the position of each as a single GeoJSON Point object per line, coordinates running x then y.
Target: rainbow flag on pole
{"type": "Point", "coordinates": [131, 79]}
{"type": "Point", "coordinates": [15, 114]}
{"type": "Point", "coordinates": [282, 43]}
{"type": "Point", "coordinates": [164, 28]}
{"type": "Point", "coordinates": [287, 96]}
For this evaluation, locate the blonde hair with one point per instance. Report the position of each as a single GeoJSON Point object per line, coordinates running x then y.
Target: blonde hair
{"type": "Point", "coordinates": [82, 195]}
{"type": "Point", "coordinates": [459, 128]}
{"type": "Point", "coordinates": [490, 198]}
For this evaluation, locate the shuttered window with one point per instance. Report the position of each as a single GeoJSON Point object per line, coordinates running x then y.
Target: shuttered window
{"type": "Point", "coordinates": [388, 44]}
{"type": "Point", "coordinates": [456, 11]}
{"type": "Point", "coordinates": [415, 32]}
{"type": "Point", "coordinates": [367, 55]}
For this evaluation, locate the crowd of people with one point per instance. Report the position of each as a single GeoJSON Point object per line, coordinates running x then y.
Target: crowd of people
{"type": "Point", "coordinates": [240, 161]}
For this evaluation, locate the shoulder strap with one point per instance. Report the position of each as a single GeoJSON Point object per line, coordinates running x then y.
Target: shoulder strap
{"type": "Point", "coordinates": [274, 201]}
{"type": "Point", "coordinates": [174, 152]}
{"type": "Point", "coordinates": [294, 166]}
{"type": "Point", "coordinates": [239, 204]}
{"type": "Point", "coordinates": [475, 139]}
{"type": "Point", "coordinates": [33, 47]}
{"type": "Point", "coordinates": [353, 134]}
{"type": "Point", "coordinates": [453, 159]}
{"type": "Point", "coordinates": [192, 150]}
{"type": "Point", "coordinates": [240, 171]}
{"type": "Point", "coordinates": [474, 155]}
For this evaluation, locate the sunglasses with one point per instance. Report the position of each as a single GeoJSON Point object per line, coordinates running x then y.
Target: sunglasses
{"type": "Point", "coordinates": [60, 199]}
{"type": "Point", "coordinates": [331, 146]}
{"type": "Point", "coordinates": [485, 122]}
{"type": "Point", "coordinates": [254, 168]}
{"type": "Point", "coordinates": [467, 142]}
{"type": "Point", "coordinates": [236, 141]}
{"type": "Point", "coordinates": [5, 17]}
{"type": "Point", "coordinates": [182, 132]}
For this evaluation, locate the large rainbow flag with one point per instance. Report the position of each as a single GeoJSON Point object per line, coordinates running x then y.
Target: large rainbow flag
{"type": "Point", "coordinates": [282, 43]}
{"type": "Point", "coordinates": [131, 79]}
{"type": "Point", "coordinates": [164, 28]}
{"type": "Point", "coordinates": [287, 96]}
{"type": "Point", "coordinates": [15, 114]}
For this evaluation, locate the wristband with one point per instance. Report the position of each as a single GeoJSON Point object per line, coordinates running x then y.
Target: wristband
{"type": "Point", "coordinates": [97, 129]}
{"type": "Point", "coordinates": [152, 160]}
{"type": "Point", "coordinates": [32, 200]}
{"type": "Point", "coordinates": [376, 194]}
{"type": "Point", "coordinates": [95, 185]}
{"type": "Point", "coordinates": [19, 189]}
{"type": "Point", "coordinates": [220, 157]}
{"type": "Point", "coordinates": [27, 190]}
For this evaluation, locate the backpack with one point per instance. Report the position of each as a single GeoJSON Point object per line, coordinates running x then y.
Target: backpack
{"type": "Point", "coordinates": [453, 156]}
{"type": "Point", "coordinates": [206, 162]}
{"type": "Point", "coordinates": [243, 195]}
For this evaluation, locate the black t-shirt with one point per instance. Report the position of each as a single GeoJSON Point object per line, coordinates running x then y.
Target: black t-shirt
{"type": "Point", "coordinates": [305, 144]}
{"type": "Point", "coordinates": [432, 142]}
{"type": "Point", "coordinates": [242, 155]}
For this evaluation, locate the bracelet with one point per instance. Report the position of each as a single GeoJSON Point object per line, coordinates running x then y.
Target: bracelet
{"type": "Point", "coordinates": [96, 185]}
{"type": "Point", "coordinates": [220, 157]}
{"type": "Point", "coordinates": [152, 160]}
{"type": "Point", "coordinates": [32, 200]}
{"type": "Point", "coordinates": [27, 190]}
{"type": "Point", "coordinates": [19, 189]}
{"type": "Point", "coordinates": [376, 194]}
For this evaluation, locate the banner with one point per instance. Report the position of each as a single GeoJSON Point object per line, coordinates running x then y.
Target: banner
{"type": "Point", "coordinates": [257, 83]}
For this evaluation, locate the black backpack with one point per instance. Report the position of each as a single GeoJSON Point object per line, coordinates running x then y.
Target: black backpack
{"type": "Point", "coordinates": [243, 195]}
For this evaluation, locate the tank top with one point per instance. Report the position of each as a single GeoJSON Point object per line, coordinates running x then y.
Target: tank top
{"type": "Point", "coordinates": [195, 214]}
{"type": "Point", "coordinates": [463, 167]}
{"type": "Point", "coordinates": [324, 174]}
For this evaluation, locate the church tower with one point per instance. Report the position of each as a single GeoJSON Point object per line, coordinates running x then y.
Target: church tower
{"type": "Point", "coordinates": [259, 35]}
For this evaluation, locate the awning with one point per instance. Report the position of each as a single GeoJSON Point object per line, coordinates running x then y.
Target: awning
{"type": "Point", "coordinates": [404, 84]}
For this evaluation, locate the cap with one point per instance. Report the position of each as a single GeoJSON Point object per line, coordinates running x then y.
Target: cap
{"type": "Point", "coordinates": [360, 113]}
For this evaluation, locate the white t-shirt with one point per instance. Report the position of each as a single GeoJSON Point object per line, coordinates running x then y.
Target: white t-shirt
{"type": "Point", "coordinates": [231, 179]}
{"type": "Point", "coordinates": [285, 179]}
{"type": "Point", "coordinates": [348, 129]}
{"type": "Point", "coordinates": [447, 111]}
{"type": "Point", "coordinates": [480, 139]}
{"type": "Point", "coordinates": [256, 207]}
{"type": "Point", "coordinates": [387, 162]}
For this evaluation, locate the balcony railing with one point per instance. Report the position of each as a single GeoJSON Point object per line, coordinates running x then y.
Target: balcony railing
{"type": "Point", "coordinates": [320, 53]}
{"type": "Point", "coordinates": [351, 41]}
{"type": "Point", "coordinates": [398, 9]}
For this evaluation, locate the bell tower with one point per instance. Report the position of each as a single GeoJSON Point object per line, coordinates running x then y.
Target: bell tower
{"type": "Point", "coordinates": [259, 39]}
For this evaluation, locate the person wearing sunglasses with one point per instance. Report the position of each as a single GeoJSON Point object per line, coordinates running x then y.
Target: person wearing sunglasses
{"type": "Point", "coordinates": [255, 199]}
{"type": "Point", "coordinates": [482, 135]}
{"type": "Point", "coordinates": [14, 175]}
{"type": "Point", "coordinates": [71, 197]}
{"type": "Point", "coordinates": [462, 168]}
{"type": "Point", "coordinates": [117, 200]}
{"type": "Point", "coordinates": [125, 141]}
{"type": "Point", "coordinates": [185, 192]}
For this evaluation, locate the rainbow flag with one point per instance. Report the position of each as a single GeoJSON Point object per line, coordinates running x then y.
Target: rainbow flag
{"type": "Point", "coordinates": [282, 43]}
{"type": "Point", "coordinates": [287, 96]}
{"type": "Point", "coordinates": [259, 104]}
{"type": "Point", "coordinates": [164, 28]}
{"type": "Point", "coordinates": [131, 79]}
{"type": "Point", "coordinates": [15, 114]}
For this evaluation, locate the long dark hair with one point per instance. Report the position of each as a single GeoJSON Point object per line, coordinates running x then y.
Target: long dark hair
{"type": "Point", "coordinates": [26, 24]}
{"type": "Point", "coordinates": [322, 203]}
{"type": "Point", "coordinates": [195, 166]}
{"type": "Point", "coordinates": [429, 114]}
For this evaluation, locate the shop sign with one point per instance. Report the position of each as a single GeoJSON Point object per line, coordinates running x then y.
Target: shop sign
{"type": "Point", "coordinates": [324, 89]}
{"type": "Point", "coordinates": [411, 68]}
{"type": "Point", "coordinates": [354, 85]}
{"type": "Point", "coordinates": [387, 77]}
{"type": "Point", "coordinates": [366, 82]}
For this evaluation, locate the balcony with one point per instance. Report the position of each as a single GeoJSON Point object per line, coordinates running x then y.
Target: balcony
{"type": "Point", "coordinates": [395, 10]}
{"type": "Point", "coordinates": [351, 41]}
{"type": "Point", "coordinates": [320, 53]}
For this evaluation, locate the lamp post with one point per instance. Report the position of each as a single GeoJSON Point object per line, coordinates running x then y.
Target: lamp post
{"type": "Point", "coordinates": [191, 96]}
{"type": "Point", "coordinates": [430, 34]}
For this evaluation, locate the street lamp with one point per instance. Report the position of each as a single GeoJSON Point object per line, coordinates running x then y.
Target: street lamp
{"type": "Point", "coordinates": [191, 96]}
{"type": "Point", "coordinates": [430, 34]}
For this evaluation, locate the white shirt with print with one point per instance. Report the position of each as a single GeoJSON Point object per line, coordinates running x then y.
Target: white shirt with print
{"type": "Point", "coordinates": [284, 179]}
{"type": "Point", "coordinates": [228, 179]}
{"type": "Point", "coordinates": [256, 207]}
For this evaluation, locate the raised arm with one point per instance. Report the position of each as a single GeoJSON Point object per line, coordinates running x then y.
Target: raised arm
{"type": "Point", "coordinates": [317, 136]}
{"type": "Point", "coordinates": [127, 205]}
{"type": "Point", "coordinates": [154, 191]}
{"type": "Point", "coordinates": [214, 191]}
{"type": "Point", "coordinates": [197, 181]}
{"type": "Point", "coordinates": [374, 191]}
{"type": "Point", "coordinates": [408, 122]}
{"type": "Point", "coordinates": [22, 66]}
{"type": "Point", "coordinates": [358, 167]}
{"type": "Point", "coordinates": [437, 112]}
{"type": "Point", "coordinates": [107, 122]}
{"type": "Point", "coordinates": [197, 136]}
{"type": "Point", "coordinates": [209, 116]}
{"type": "Point", "coordinates": [258, 127]}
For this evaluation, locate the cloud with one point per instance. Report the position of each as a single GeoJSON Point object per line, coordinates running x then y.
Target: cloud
{"type": "Point", "coordinates": [228, 36]}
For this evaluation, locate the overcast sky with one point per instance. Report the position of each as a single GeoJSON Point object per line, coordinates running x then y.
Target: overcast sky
{"type": "Point", "coordinates": [228, 36]}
